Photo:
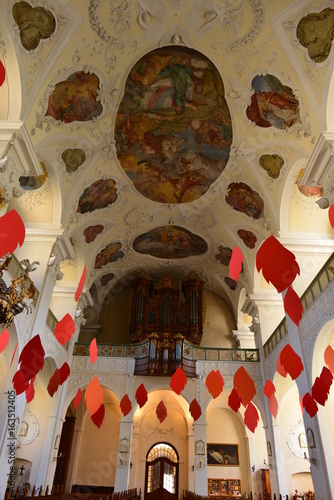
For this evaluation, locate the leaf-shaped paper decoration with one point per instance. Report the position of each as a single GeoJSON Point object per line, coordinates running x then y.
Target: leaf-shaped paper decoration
{"type": "Point", "coordinates": [12, 232]}
{"type": "Point", "coordinates": [178, 381]}
{"type": "Point", "coordinates": [195, 409]}
{"type": "Point", "coordinates": [234, 401]}
{"type": "Point", "coordinates": [19, 384]}
{"type": "Point", "coordinates": [125, 405]}
{"type": "Point", "coordinates": [278, 264]}
{"type": "Point", "coordinates": [244, 385]}
{"type": "Point", "coordinates": [77, 399]}
{"type": "Point", "coordinates": [32, 358]}
{"type": "Point", "coordinates": [93, 351]}
{"type": "Point", "coordinates": [331, 214]}
{"type": "Point", "coordinates": [326, 376]}
{"type": "Point", "coordinates": [320, 391]}
{"type": "Point", "coordinates": [280, 368]}
{"type": "Point", "coordinates": [54, 382]}
{"type": "Point", "coordinates": [30, 391]}
{"type": "Point", "coordinates": [2, 73]}
{"type": "Point", "coordinates": [301, 404]}
{"type": "Point", "coordinates": [141, 395]}
{"type": "Point", "coordinates": [214, 383]}
{"type": "Point", "coordinates": [98, 416]}
{"type": "Point", "coordinates": [4, 339]}
{"type": "Point", "coordinates": [293, 306]}
{"type": "Point", "coordinates": [235, 265]}
{"type": "Point", "coordinates": [161, 412]}
{"type": "Point", "coordinates": [329, 358]}
{"type": "Point", "coordinates": [273, 405]}
{"type": "Point", "coordinates": [17, 343]}
{"type": "Point", "coordinates": [64, 371]}
{"type": "Point", "coordinates": [64, 330]}
{"type": "Point", "coordinates": [269, 389]}
{"type": "Point", "coordinates": [310, 405]}
{"type": "Point", "coordinates": [94, 395]}
{"type": "Point", "coordinates": [251, 417]}
{"type": "Point", "coordinates": [291, 362]}
{"type": "Point", "coordinates": [80, 285]}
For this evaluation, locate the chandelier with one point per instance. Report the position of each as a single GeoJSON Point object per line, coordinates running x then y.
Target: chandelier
{"type": "Point", "coordinates": [19, 295]}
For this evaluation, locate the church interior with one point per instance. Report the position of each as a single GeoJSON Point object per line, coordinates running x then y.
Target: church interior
{"type": "Point", "coordinates": [152, 149]}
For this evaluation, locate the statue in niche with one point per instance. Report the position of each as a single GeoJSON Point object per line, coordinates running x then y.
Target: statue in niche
{"type": "Point", "coordinates": [316, 32]}
{"type": "Point", "coordinates": [73, 158]}
{"type": "Point", "coordinates": [272, 164]}
{"type": "Point", "coordinates": [35, 23]}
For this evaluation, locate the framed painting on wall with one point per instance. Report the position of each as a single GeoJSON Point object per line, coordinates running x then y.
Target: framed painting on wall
{"type": "Point", "coordinates": [223, 454]}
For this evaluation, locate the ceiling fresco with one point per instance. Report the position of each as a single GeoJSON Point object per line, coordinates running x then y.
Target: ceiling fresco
{"type": "Point", "coordinates": [316, 32]}
{"type": "Point", "coordinates": [272, 164]}
{"type": "Point", "coordinates": [73, 159]}
{"type": "Point", "coordinates": [34, 23]}
{"type": "Point", "coordinates": [170, 242]}
{"type": "Point", "coordinates": [247, 237]}
{"type": "Point", "coordinates": [98, 195]}
{"type": "Point", "coordinates": [173, 127]}
{"type": "Point", "coordinates": [242, 198]}
{"type": "Point", "coordinates": [110, 253]}
{"type": "Point", "coordinates": [91, 232]}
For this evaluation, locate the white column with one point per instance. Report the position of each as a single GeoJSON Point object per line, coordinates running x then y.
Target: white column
{"type": "Point", "coordinates": [191, 460]}
{"type": "Point", "coordinates": [123, 458]}
{"type": "Point", "coordinates": [201, 474]}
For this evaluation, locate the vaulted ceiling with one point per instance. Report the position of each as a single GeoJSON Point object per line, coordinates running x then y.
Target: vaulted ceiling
{"type": "Point", "coordinates": [170, 131]}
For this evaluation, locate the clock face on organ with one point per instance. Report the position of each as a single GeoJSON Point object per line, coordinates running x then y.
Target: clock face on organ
{"type": "Point", "coordinates": [200, 462]}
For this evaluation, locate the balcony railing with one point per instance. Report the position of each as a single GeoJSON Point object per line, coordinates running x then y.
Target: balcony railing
{"type": "Point", "coordinates": [320, 282]}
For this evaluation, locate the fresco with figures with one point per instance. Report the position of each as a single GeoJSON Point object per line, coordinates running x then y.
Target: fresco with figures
{"type": "Point", "coordinates": [34, 23]}
{"type": "Point", "coordinates": [173, 128]}
{"type": "Point", "coordinates": [110, 253]}
{"type": "Point", "coordinates": [224, 255]}
{"type": "Point", "coordinates": [75, 99]}
{"type": "Point", "coordinates": [242, 198]}
{"type": "Point", "coordinates": [316, 32]}
{"type": "Point", "coordinates": [98, 195]}
{"type": "Point", "coordinates": [272, 164]}
{"type": "Point", "coordinates": [247, 237]}
{"type": "Point", "coordinates": [273, 104]}
{"type": "Point", "coordinates": [104, 280]}
{"type": "Point", "coordinates": [170, 242]}
{"type": "Point", "coordinates": [91, 232]}
{"type": "Point", "coordinates": [73, 159]}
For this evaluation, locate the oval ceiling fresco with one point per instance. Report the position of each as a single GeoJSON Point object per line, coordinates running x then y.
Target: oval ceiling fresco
{"type": "Point", "coordinates": [170, 242]}
{"type": "Point", "coordinates": [173, 128]}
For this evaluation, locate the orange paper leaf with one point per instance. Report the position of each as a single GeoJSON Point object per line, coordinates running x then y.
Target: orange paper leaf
{"type": "Point", "coordinates": [161, 412]}
{"type": "Point", "coordinates": [273, 405]}
{"type": "Point", "coordinates": [94, 395]}
{"type": "Point", "coordinates": [251, 417]}
{"type": "Point", "coordinates": [126, 405]}
{"type": "Point", "coordinates": [178, 381]}
{"type": "Point", "coordinates": [17, 343]}
{"type": "Point", "coordinates": [235, 265]}
{"type": "Point", "coordinates": [293, 306]}
{"type": "Point", "coordinates": [64, 330]}
{"type": "Point", "coordinates": [244, 385]}
{"type": "Point", "coordinates": [269, 389]}
{"type": "Point", "coordinates": [12, 232]}
{"type": "Point", "coordinates": [4, 339]}
{"type": "Point", "coordinates": [329, 358]}
{"type": "Point", "coordinates": [77, 399]}
{"type": "Point", "coordinates": [93, 351]}
{"type": "Point", "coordinates": [214, 383]}
{"type": "Point", "coordinates": [80, 285]}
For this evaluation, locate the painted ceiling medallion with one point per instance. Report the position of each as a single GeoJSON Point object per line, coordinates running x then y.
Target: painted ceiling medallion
{"type": "Point", "coordinates": [232, 284]}
{"type": "Point", "coordinates": [173, 128]}
{"type": "Point", "coordinates": [170, 242]}
{"type": "Point", "coordinates": [110, 253]}
{"type": "Point", "coordinates": [273, 104]}
{"type": "Point", "coordinates": [75, 99]}
{"type": "Point", "coordinates": [272, 164]}
{"type": "Point", "coordinates": [73, 159]}
{"type": "Point", "coordinates": [242, 198]}
{"type": "Point", "coordinates": [91, 232]}
{"type": "Point", "coordinates": [98, 195]}
{"type": "Point", "coordinates": [104, 280]}
{"type": "Point", "coordinates": [224, 255]}
{"type": "Point", "coordinates": [34, 24]}
{"type": "Point", "coordinates": [247, 237]}
{"type": "Point", "coordinates": [316, 32]}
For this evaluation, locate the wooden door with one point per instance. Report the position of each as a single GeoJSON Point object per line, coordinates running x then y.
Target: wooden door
{"type": "Point", "coordinates": [161, 482]}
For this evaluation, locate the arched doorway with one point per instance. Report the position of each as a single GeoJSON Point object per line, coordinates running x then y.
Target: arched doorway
{"type": "Point", "coordinates": [162, 473]}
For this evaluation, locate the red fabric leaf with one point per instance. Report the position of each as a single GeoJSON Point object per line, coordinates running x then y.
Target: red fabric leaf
{"type": "Point", "coordinates": [331, 214]}
{"type": "Point", "coordinates": [329, 358]}
{"type": "Point", "coordinates": [2, 73]}
{"type": "Point", "coordinates": [326, 376]}
{"type": "Point", "coordinates": [178, 381]}
{"type": "Point", "coordinates": [251, 417]}
{"type": "Point", "coordinates": [310, 405]}
{"type": "Point", "coordinates": [93, 351]}
{"type": "Point", "coordinates": [195, 409]}
{"type": "Point", "coordinates": [32, 358]}
{"type": "Point", "coordinates": [320, 391]}
{"type": "Point", "coordinates": [98, 416]}
{"type": "Point", "coordinates": [17, 343]}
{"type": "Point", "coordinates": [141, 395]}
{"type": "Point", "coordinates": [278, 264]}
{"type": "Point", "coordinates": [214, 383]}
{"type": "Point", "coordinates": [80, 285]}
{"type": "Point", "coordinates": [235, 265]}
{"type": "Point", "coordinates": [12, 232]}
{"type": "Point", "coordinates": [19, 384]}
{"type": "Point", "coordinates": [269, 389]}
{"type": "Point", "coordinates": [77, 399]}
{"type": "Point", "coordinates": [64, 371]}
{"type": "Point", "coordinates": [291, 362]}
{"type": "Point", "coordinates": [126, 405]}
{"type": "Point", "coordinates": [234, 401]}
{"type": "Point", "coordinates": [273, 405]}
{"type": "Point", "coordinates": [94, 395]}
{"type": "Point", "coordinates": [244, 385]}
{"type": "Point", "coordinates": [30, 391]}
{"type": "Point", "coordinates": [4, 339]}
{"type": "Point", "coordinates": [54, 382]}
{"type": "Point", "coordinates": [161, 412]}
{"type": "Point", "coordinates": [301, 404]}
{"type": "Point", "coordinates": [64, 330]}
{"type": "Point", "coordinates": [293, 306]}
